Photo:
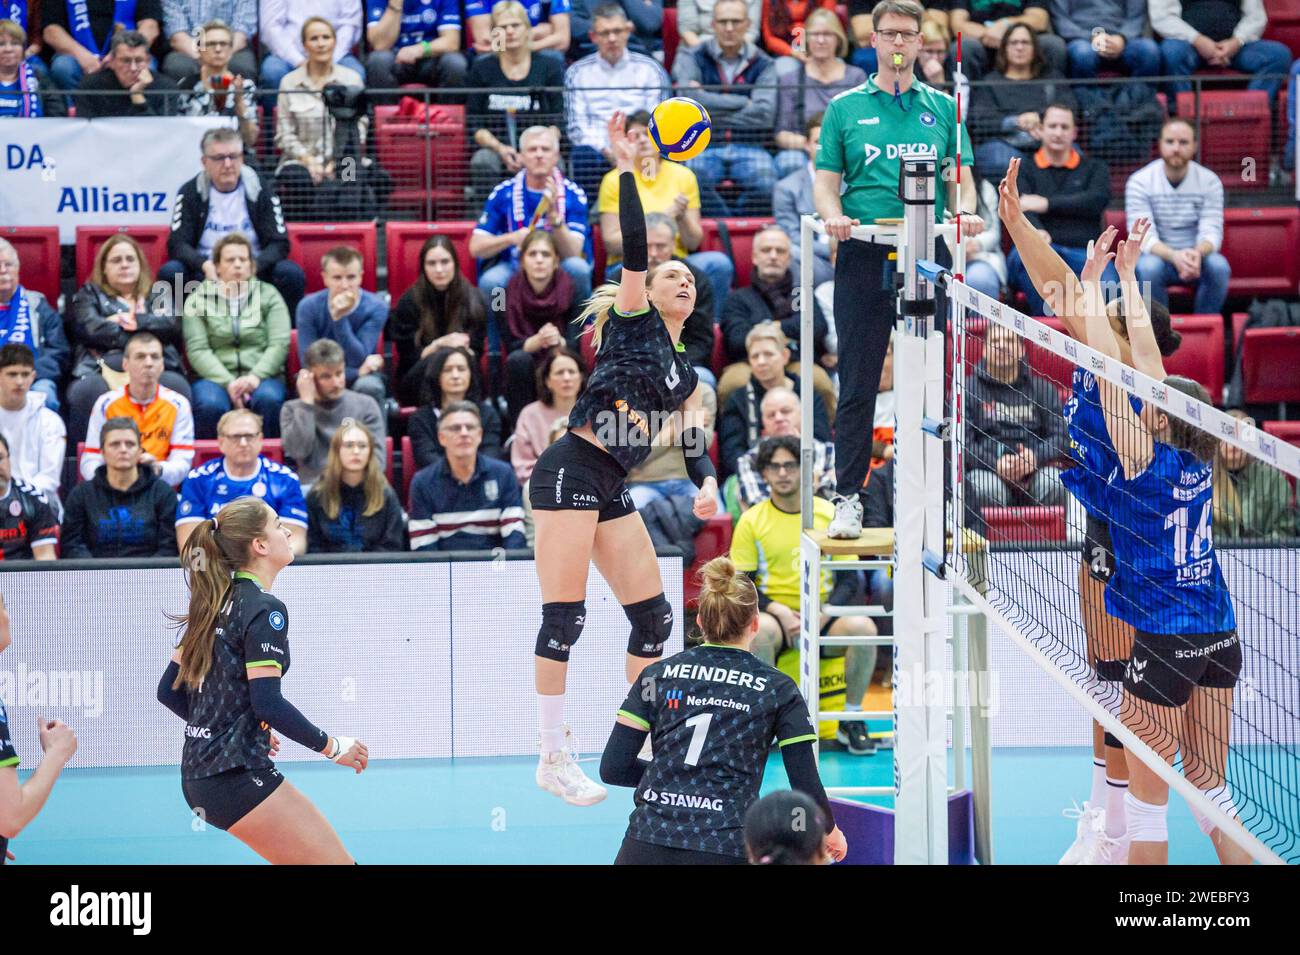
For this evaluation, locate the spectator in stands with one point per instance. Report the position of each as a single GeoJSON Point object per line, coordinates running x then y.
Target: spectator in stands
{"type": "Point", "coordinates": [1252, 499]}
{"type": "Point", "coordinates": [163, 416]}
{"type": "Point", "coordinates": [182, 20]}
{"type": "Point", "coordinates": [210, 93]}
{"type": "Point", "coordinates": [35, 435]}
{"type": "Point", "coordinates": [306, 132]}
{"type": "Point", "coordinates": [27, 318]}
{"type": "Point", "coordinates": [353, 317]}
{"type": "Point", "coordinates": [935, 26]}
{"type": "Point", "coordinates": [282, 36]}
{"type": "Point", "coordinates": [662, 476]}
{"type": "Point", "coordinates": [29, 525]}
{"type": "Point", "coordinates": [808, 81]}
{"type": "Point", "coordinates": [613, 79]}
{"type": "Point", "coordinates": [116, 301]}
{"type": "Point", "coordinates": [560, 379]}
{"type": "Point", "coordinates": [351, 508]}
{"type": "Point", "coordinates": [81, 45]}
{"type": "Point", "coordinates": [540, 306]}
{"type": "Point", "coordinates": [241, 470]}
{"type": "Point", "coordinates": [1105, 33]}
{"type": "Point", "coordinates": [647, 17]}
{"type": "Point", "coordinates": [793, 197]}
{"type": "Point", "coordinates": [558, 430]}
{"type": "Point", "coordinates": [451, 379]}
{"type": "Point", "coordinates": [785, 27]}
{"type": "Point", "coordinates": [26, 90]}
{"type": "Point", "coordinates": [781, 416]}
{"type": "Point", "coordinates": [466, 500]}
{"type": "Point", "coordinates": [1006, 113]}
{"type": "Point", "coordinates": [984, 23]}
{"type": "Point", "coordinates": [236, 339]}
{"type": "Point", "coordinates": [414, 41]}
{"type": "Point", "coordinates": [1016, 428]}
{"type": "Point", "coordinates": [323, 405]}
{"type": "Point", "coordinates": [697, 333]}
{"type": "Point", "coordinates": [1067, 192]}
{"type": "Point", "coordinates": [1293, 84]}
{"type": "Point", "coordinates": [510, 81]}
{"type": "Point", "coordinates": [548, 27]}
{"type": "Point", "coordinates": [229, 197]}
{"type": "Point", "coordinates": [1184, 202]}
{"type": "Point", "coordinates": [743, 113]}
{"type": "Point", "coordinates": [672, 189]}
{"type": "Point", "coordinates": [695, 21]}
{"type": "Point", "coordinates": [765, 546]}
{"type": "Point", "coordinates": [441, 309]}
{"type": "Point", "coordinates": [1198, 33]}
{"type": "Point", "coordinates": [936, 64]}
{"type": "Point", "coordinates": [124, 510]}
{"type": "Point", "coordinates": [986, 264]}
{"type": "Point", "coordinates": [126, 86]}
{"type": "Point", "coordinates": [769, 297]}
{"type": "Point", "coordinates": [742, 421]}
{"type": "Point", "coordinates": [538, 197]}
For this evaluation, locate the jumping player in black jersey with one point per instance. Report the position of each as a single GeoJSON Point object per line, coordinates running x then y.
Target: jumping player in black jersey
{"type": "Point", "coordinates": [224, 681]}
{"type": "Point", "coordinates": [581, 506]}
{"type": "Point", "coordinates": [712, 713]}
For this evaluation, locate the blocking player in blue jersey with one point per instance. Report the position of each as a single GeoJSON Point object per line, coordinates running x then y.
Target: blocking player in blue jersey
{"type": "Point", "coordinates": [712, 712]}
{"type": "Point", "coordinates": [1186, 656]}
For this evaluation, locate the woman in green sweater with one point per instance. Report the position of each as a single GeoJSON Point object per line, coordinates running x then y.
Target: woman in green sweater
{"type": "Point", "coordinates": [1251, 499]}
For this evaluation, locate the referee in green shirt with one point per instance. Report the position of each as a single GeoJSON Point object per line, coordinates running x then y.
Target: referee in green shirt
{"type": "Point", "coordinates": [864, 132]}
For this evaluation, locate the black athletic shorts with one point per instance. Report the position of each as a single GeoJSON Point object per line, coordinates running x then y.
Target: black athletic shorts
{"type": "Point", "coordinates": [636, 852]}
{"type": "Point", "coordinates": [224, 799]}
{"type": "Point", "coordinates": [1165, 668]}
{"type": "Point", "coordinates": [1097, 551]}
{"type": "Point", "coordinates": [575, 475]}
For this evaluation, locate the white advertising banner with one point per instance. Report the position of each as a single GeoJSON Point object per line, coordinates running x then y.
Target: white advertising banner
{"type": "Point", "coordinates": [119, 171]}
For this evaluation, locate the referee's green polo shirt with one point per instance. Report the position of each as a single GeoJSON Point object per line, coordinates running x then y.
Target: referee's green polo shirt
{"type": "Point", "coordinates": [864, 132]}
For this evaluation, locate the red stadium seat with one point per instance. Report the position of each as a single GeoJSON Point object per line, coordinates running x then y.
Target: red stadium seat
{"type": "Point", "coordinates": [1283, 23]}
{"type": "Point", "coordinates": [742, 232]}
{"type": "Point", "coordinates": [713, 540]}
{"type": "Point", "coordinates": [308, 241]}
{"type": "Point", "coordinates": [1234, 124]}
{"type": "Point", "coordinates": [38, 258]}
{"type": "Point", "coordinates": [388, 460]}
{"type": "Point", "coordinates": [1288, 431]}
{"type": "Point", "coordinates": [1055, 368]}
{"type": "Point", "coordinates": [411, 147]}
{"type": "Point", "coordinates": [671, 37]}
{"type": "Point", "coordinates": [1263, 247]}
{"type": "Point", "coordinates": [597, 255]}
{"type": "Point", "coordinates": [1269, 359]}
{"type": "Point", "coordinates": [403, 240]}
{"type": "Point", "coordinates": [293, 364]}
{"type": "Point", "coordinates": [718, 360]}
{"type": "Point", "coordinates": [206, 450]}
{"type": "Point", "coordinates": [1025, 524]}
{"type": "Point", "coordinates": [152, 239]}
{"type": "Point", "coordinates": [1200, 356]}
{"type": "Point", "coordinates": [408, 470]}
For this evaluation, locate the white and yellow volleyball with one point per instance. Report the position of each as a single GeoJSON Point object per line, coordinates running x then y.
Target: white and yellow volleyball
{"type": "Point", "coordinates": [679, 128]}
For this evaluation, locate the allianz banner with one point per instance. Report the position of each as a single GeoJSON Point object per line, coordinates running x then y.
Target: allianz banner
{"type": "Point", "coordinates": [120, 171]}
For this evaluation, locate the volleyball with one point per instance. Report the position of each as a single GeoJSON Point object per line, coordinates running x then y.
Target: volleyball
{"type": "Point", "coordinates": [679, 128]}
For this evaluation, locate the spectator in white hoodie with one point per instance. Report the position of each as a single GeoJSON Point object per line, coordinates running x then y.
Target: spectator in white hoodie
{"type": "Point", "coordinates": [36, 435]}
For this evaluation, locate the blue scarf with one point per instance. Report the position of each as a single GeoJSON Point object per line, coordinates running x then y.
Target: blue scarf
{"type": "Point", "coordinates": [16, 12]}
{"type": "Point", "coordinates": [16, 322]}
{"type": "Point", "coordinates": [79, 21]}
{"type": "Point", "coordinates": [26, 101]}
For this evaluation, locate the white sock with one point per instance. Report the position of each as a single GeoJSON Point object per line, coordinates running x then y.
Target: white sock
{"type": "Point", "coordinates": [1116, 824]}
{"type": "Point", "coordinates": [1098, 783]}
{"type": "Point", "coordinates": [550, 718]}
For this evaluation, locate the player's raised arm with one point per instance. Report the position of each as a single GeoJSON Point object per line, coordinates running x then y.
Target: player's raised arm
{"type": "Point", "coordinates": [1052, 278]}
{"type": "Point", "coordinates": [1141, 335]}
{"type": "Point", "coordinates": [631, 296]}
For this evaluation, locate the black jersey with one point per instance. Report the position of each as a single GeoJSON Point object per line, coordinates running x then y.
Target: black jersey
{"type": "Point", "coordinates": [26, 520]}
{"type": "Point", "coordinates": [640, 378]}
{"type": "Point", "coordinates": [712, 713]}
{"type": "Point", "coordinates": [223, 733]}
{"type": "Point", "coordinates": [8, 755]}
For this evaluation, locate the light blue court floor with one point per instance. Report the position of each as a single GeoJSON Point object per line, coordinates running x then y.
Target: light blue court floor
{"type": "Point", "coordinates": [489, 811]}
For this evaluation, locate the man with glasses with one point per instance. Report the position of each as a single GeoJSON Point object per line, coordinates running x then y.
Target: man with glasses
{"type": "Point", "coordinates": [983, 23]}
{"type": "Point", "coordinates": [647, 17]}
{"type": "Point", "coordinates": [127, 87]}
{"type": "Point", "coordinates": [182, 20]}
{"type": "Point", "coordinates": [228, 197]}
{"type": "Point", "coordinates": [240, 471]}
{"type": "Point", "coordinates": [695, 21]}
{"type": "Point", "coordinates": [736, 82]}
{"type": "Point", "coordinates": [864, 134]}
{"type": "Point", "coordinates": [465, 500]}
{"type": "Point", "coordinates": [81, 43]}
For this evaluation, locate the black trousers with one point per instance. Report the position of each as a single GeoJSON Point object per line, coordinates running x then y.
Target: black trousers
{"type": "Point", "coordinates": [865, 313]}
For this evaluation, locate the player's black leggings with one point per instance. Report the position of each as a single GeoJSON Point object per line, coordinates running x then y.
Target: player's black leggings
{"type": "Point", "coordinates": [634, 852]}
{"type": "Point", "coordinates": [4, 844]}
{"type": "Point", "coordinates": [865, 312]}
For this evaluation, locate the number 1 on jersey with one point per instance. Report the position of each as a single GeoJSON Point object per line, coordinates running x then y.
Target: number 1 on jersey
{"type": "Point", "coordinates": [1202, 538]}
{"type": "Point", "coordinates": [699, 725]}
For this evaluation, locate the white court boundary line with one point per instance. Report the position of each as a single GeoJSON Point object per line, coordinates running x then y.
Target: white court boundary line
{"type": "Point", "coordinates": [1273, 451]}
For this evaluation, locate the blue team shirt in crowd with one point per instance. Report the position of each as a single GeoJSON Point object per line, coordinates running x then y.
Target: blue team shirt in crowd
{"type": "Point", "coordinates": [421, 19]}
{"type": "Point", "coordinates": [1162, 530]}
{"type": "Point", "coordinates": [209, 488]}
{"type": "Point", "coordinates": [538, 12]}
{"type": "Point", "coordinates": [511, 206]}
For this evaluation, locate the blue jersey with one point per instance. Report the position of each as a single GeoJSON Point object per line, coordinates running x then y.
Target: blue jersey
{"type": "Point", "coordinates": [1090, 445]}
{"type": "Point", "coordinates": [538, 12]}
{"type": "Point", "coordinates": [421, 19]}
{"type": "Point", "coordinates": [1162, 530]}
{"type": "Point", "coordinates": [209, 488]}
{"type": "Point", "coordinates": [512, 204]}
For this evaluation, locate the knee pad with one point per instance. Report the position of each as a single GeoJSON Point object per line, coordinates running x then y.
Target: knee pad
{"type": "Point", "coordinates": [1147, 822]}
{"type": "Point", "coordinates": [1222, 798]}
{"type": "Point", "coordinates": [1111, 671]}
{"type": "Point", "coordinates": [652, 622]}
{"type": "Point", "coordinates": [561, 626]}
{"type": "Point", "coordinates": [1112, 741]}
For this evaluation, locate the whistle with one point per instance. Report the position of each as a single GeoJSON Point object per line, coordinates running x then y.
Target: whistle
{"type": "Point", "coordinates": [898, 61]}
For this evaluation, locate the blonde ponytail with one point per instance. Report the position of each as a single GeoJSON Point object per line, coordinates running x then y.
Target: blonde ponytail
{"type": "Point", "coordinates": [601, 301]}
{"type": "Point", "coordinates": [728, 601]}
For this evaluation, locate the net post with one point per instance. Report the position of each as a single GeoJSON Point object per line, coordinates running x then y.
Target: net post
{"type": "Point", "coordinates": [806, 347]}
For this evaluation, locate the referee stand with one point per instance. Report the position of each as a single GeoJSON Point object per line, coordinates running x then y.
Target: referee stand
{"type": "Point", "coordinates": [927, 809]}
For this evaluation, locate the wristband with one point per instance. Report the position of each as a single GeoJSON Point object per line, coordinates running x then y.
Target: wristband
{"type": "Point", "coordinates": [342, 744]}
